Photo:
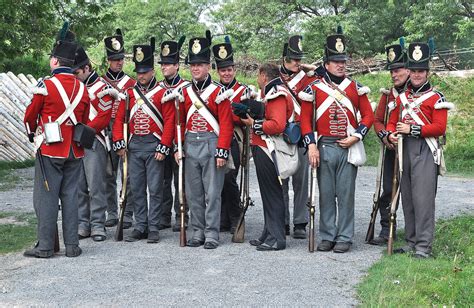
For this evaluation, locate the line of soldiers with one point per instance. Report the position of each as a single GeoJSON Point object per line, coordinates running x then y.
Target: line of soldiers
{"type": "Point", "coordinates": [113, 116]}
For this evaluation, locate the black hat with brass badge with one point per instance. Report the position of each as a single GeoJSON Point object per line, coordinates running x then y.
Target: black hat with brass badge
{"type": "Point", "coordinates": [199, 50]}
{"type": "Point", "coordinates": [223, 54]}
{"type": "Point", "coordinates": [294, 48]}
{"type": "Point", "coordinates": [396, 55]}
{"type": "Point", "coordinates": [143, 56]}
{"type": "Point", "coordinates": [418, 56]}
{"type": "Point", "coordinates": [169, 51]}
{"type": "Point", "coordinates": [114, 46]}
{"type": "Point", "coordinates": [335, 48]}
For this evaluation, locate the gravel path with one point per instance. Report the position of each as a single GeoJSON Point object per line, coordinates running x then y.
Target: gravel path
{"type": "Point", "coordinates": [124, 274]}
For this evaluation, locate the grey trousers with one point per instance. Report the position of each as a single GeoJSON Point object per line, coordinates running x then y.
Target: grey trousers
{"type": "Point", "coordinates": [113, 164]}
{"type": "Point", "coordinates": [62, 175]}
{"type": "Point", "coordinates": [336, 181]}
{"type": "Point", "coordinates": [300, 188]}
{"type": "Point", "coordinates": [145, 172]}
{"type": "Point", "coordinates": [386, 196]}
{"type": "Point", "coordinates": [418, 186]}
{"type": "Point", "coordinates": [203, 185]}
{"type": "Point", "coordinates": [272, 199]}
{"type": "Point", "coordinates": [91, 190]}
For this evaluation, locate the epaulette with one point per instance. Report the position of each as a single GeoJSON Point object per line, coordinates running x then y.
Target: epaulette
{"type": "Point", "coordinates": [391, 106]}
{"type": "Point", "coordinates": [249, 92]}
{"type": "Point", "coordinates": [307, 94]}
{"type": "Point", "coordinates": [171, 94]}
{"type": "Point", "coordinates": [40, 87]}
{"type": "Point", "coordinates": [373, 105]}
{"type": "Point", "coordinates": [362, 90]}
{"type": "Point", "coordinates": [441, 103]}
{"type": "Point", "coordinates": [223, 95]}
{"type": "Point", "coordinates": [274, 93]}
{"type": "Point", "coordinates": [108, 90]}
{"type": "Point", "coordinates": [384, 91]}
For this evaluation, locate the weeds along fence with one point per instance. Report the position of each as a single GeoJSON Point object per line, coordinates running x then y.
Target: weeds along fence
{"type": "Point", "coordinates": [15, 95]}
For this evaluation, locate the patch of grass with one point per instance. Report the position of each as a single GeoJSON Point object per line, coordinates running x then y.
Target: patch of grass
{"type": "Point", "coordinates": [15, 237]}
{"type": "Point", "coordinates": [8, 179]}
{"type": "Point", "coordinates": [400, 280]}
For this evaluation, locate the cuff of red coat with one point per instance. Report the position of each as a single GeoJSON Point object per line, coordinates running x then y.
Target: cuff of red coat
{"type": "Point", "coordinates": [258, 126]}
{"type": "Point", "coordinates": [361, 131]}
{"type": "Point", "coordinates": [118, 145]}
{"type": "Point", "coordinates": [415, 130]}
{"type": "Point", "coordinates": [382, 134]}
{"type": "Point", "coordinates": [163, 149]}
{"type": "Point", "coordinates": [308, 139]}
{"type": "Point", "coordinates": [222, 153]}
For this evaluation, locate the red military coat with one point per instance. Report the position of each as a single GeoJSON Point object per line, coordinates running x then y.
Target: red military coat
{"type": "Point", "coordinates": [120, 81]}
{"type": "Point", "coordinates": [297, 82]}
{"type": "Point", "coordinates": [47, 105]}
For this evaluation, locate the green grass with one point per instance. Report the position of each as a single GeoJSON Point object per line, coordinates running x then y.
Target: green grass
{"type": "Point", "coordinates": [401, 281]}
{"type": "Point", "coordinates": [15, 237]}
{"type": "Point", "coordinates": [8, 179]}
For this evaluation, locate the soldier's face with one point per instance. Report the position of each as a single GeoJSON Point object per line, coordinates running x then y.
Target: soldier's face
{"type": "Point", "coordinates": [399, 76]}
{"type": "Point", "coordinates": [337, 68]}
{"type": "Point", "coordinates": [292, 64]}
{"type": "Point", "coordinates": [261, 80]}
{"type": "Point", "coordinates": [199, 71]}
{"type": "Point", "coordinates": [116, 65]}
{"type": "Point", "coordinates": [226, 74]}
{"type": "Point", "coordinates": [82, 73]}
{"type": "Point", "coordinates": [418, 77]}
{"type": "Point", "coordinates": [145, 78]}
{"type": "Point", "coordinates": [169, 70]}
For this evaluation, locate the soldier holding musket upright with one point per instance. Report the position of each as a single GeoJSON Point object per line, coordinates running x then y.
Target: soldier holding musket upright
{"type": "Point", "coordinates": [206, 117]}
{"type": "Point", "coordinates": [92, 184]}
{"type": "Point", "coordinates": [230, 208]}
{"type": "Point", "coordinates": [151, 127]}
{"type": "Point", "coordinates": [338, 100]}
{"type": "Point", "coordinates": [396, 61]}
{"type": "Point", "coordinates": [424, 114]}
{"type": "Point", "coordinates": [169, 62]}
{"type": "Point", "coordinates": [59, 104]}
{"type": "Point", "coordinates": [117, 78]}
{"type": "Point", "coordinates": [296, 80]}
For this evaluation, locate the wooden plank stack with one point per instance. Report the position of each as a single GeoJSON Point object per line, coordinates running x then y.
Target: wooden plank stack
{"type": "Point", "coordinates": [15, 95]}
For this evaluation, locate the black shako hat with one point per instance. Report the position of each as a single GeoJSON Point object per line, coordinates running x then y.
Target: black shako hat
{"type": "Point", "coordinates": [335, 47]}
{"type": "Point", "coordinates": [114, 46]}
{"type": "Point", "coordinates": [396, 56]}
{"type": "Point", "coordinates": [223, 54]}
{"type": "Point", "coordinates": [143, 56]}
{"type": "Point", "coordinates": [199, 50]}
{"type": "Point", "coordinates": [294, 48]}
{"type": "Point", "coordinates": [418, 56]}
{"type": "Point", "coordinates": [64, 47]}
{"type": "Point", "coordinates": [169, 51]}
{"type": "Point", "coordinates": [81, 58]}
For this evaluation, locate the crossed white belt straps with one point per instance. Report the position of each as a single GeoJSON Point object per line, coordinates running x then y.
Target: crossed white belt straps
{"type": "Point", "coordinates": [155, 114]}
{"type": "Point", "coordinates": [203, 111]}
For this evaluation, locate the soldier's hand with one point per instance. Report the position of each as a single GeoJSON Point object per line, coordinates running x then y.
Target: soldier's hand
{"type": "Point", "coordinates": [393, 137]}
{"type": "Point", "coordinates": [347, 142]}
{"type": "Point", "coordinates": [121, 152]}
{"type": "Point", "coordinates": [313, 155]}
{"type": "Point", "coordinates": [159, 156]}
{"type": "Point", "coordinates": [387, 143]}
{"type": "Point", "coordinates": [403, 128]}
{"type": "Point", "coordinates": [248, 121]}
{"type": "Point", "coordinates": [221, 162]}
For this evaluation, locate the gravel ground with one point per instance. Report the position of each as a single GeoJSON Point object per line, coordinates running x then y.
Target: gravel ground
{"type": "Point", "coordinates": [134, 274]}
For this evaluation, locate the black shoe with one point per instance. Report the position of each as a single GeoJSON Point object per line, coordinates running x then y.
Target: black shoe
{"type": "Point", "coordinates": [421, 255]}
{"type": "Point", "coordinates": [164, 226]}
{"type": "Point", "coordinates": [404, 249]}
{"type": "Point", "coordinates": [195, 243]}
{"type": "Point", "coordinates": [342, 247]}
{"type": "Point", "coordinates": [98, 238]}
{"type": "Point", "coordinates": [266, 247]}
{"type": "Point", "coordinates": [36, 253]}
{"type": "Point", "coordinates": [255, 242]}
{"type": "Point", "coordinates": [232, 230]}
{"type": "Point", "coordinates": [379, 241]}
{"type": "Point", "coordinates": [299, 231]}
{"type": "Point", "coordinates": [111, 222]}
{"type": "Point", "coordinates": [127, 225]}
{"type": "Point", "coordinates": [73, 251]}
{"type": "Point", "coordinates": [325, 246]}
{"type": "Point", "coordinates": [153, 237]}
{"type": "Point", "coordinates": [287, 229]}
{"type": "Point", "coordinates": [136, 236]}
{"type": "Point", "coordinates": [210, 245]}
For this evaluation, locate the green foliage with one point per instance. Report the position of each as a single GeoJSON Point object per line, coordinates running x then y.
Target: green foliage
{"type": "Point", "coordinates": [446, 280]}
{"type": "Point", "coordinates": [18, 235]}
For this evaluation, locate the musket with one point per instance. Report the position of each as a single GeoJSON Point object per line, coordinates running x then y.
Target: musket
{"type": "Point", "coordinates": [378, 183]}
{"type": "Point", "coordinates": [245, 200]}
{"type": "Point", "coordinates": [182, 202]}
{"type": "Point", "coordinates": [123, 191]}
{"type": "Point", "coordinates": [312, 193]}
{"type": "Point", "coordinates": [397, 172]}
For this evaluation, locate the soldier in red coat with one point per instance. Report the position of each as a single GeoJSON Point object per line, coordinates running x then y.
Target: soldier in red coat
{"type": "Point", "coordinates": [117, 78]}
{"type": "Point", "coordinates": [278, 109]}
{"type": "Point", "coordinates": [169, 62]}
{"type": "Point", "coordinates": [207, 119]}
{"type": "Point", "coordinates": [230, 207]}
{"type": "Point", "coordinates": [396, 61]}
{"type": "Point", "coordinates": [338, 102]}
{"type": "Point", "coordinates": [92, 197]}
{"type": "Point", "coordinates": [296, 80]}
{"type": "Point", "coordinates": [424, 114]}
{"type": "Point", "coordinates": [151, 120]}
{"type": "Point", "coordinates": [59, 104]}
